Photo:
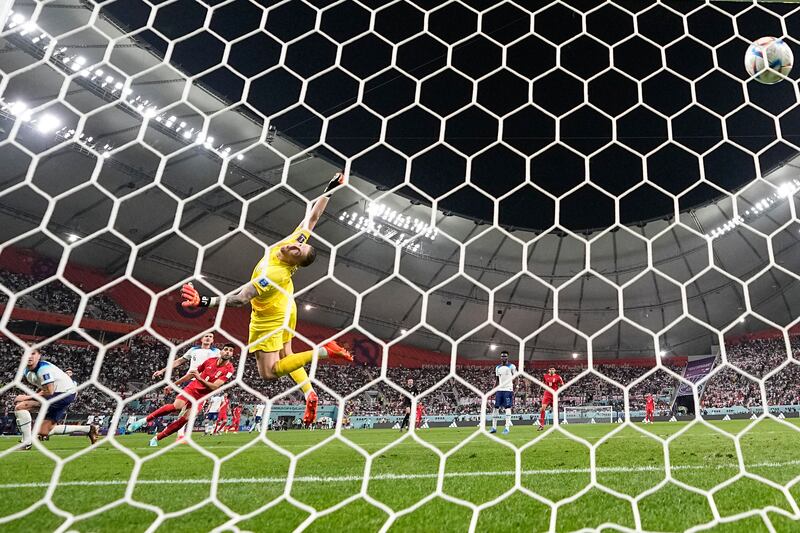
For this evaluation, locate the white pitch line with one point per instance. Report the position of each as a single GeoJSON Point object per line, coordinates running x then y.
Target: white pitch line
{"type": "Point", "coordinates": [392, 477]}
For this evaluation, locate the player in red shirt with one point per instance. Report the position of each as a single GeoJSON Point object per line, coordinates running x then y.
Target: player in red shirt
{"type": "Point", "coordinates": [206, 379]}
{"type": "Point", "coordinates": [554, 381]}
{"type": "Point", "coordinates": [236, 420]}
{"type": "Point", "coordinates": [420, 413]}
{"type": "Point", "coordinates": [222, 418]}
{"type": "Point", "coordinates": [649, 409]}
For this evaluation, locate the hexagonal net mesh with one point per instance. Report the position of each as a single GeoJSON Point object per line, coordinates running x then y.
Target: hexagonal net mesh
{"type": "Point", "coordinates": [623, 203]}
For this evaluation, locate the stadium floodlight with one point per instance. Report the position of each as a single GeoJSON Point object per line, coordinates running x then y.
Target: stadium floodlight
{"type": "Point", "coordinates": [47, 123]}
{"type": "Point", "coordinates": [787, 189]}
{"type": "Point", "coordinates": [492, 347]}
{"type": "Point", "coordinates": [71, 237]}
{"type": "Point", "coordinates": [403, 331]}
{"type": "Point", "coordinates": [662, 353]}
{"type": "Point", "coordinates": [574, 355]}
{"type": "Point", "coordinates": [28, 27]}
{"type": "Point", "coordinates": [308, 307]}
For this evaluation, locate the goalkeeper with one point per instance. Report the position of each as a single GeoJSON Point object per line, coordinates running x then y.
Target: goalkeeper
{"type": "Point", "coordinates": [270, 295]}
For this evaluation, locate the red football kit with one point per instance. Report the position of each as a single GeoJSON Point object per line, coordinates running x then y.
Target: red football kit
{"type": "Point", "coordinates": [553, 381]}
{"type": "Point", "coordinates": [649, 409]}
{"type": "Point", "coordinates": [223, 410]}
{"type": "Point", "coordinates": [211, 372]}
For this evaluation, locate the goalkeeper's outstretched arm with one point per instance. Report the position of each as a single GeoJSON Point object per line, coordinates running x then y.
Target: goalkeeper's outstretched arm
{"type": "Point", "coordinates": [319, 206]}
{"type": "Point", "coordinates": [192, 298]}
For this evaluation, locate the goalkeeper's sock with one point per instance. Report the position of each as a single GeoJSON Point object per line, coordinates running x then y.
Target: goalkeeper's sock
{"type": "Point", "coordinates": [172, 428]}
{"type": "Point", "coordinates": [161, 411]}
{"type": "Point", "coordinates": [541, 418]}
{"type": "Point", "coordinates": [494, 418]}
{"type": "Point", "coordinates": [508, 418]}
{"type": "Point", "coordinates": [24, 424]}
{"type": "Point", "coordinates": [292, 362]}
{"type": "Point", "coordinates": [300, 376]}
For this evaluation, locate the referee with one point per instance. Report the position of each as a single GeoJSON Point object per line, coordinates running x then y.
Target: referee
{"type": "Point", "coordinates": [412, 389]}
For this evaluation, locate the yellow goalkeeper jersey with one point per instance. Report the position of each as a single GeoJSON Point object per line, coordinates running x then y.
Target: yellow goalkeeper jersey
{"type": "Point", "coordinates": [270, 306]}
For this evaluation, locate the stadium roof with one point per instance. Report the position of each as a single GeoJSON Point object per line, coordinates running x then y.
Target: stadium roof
{"type": "Point", "coordinates": [213, 212]}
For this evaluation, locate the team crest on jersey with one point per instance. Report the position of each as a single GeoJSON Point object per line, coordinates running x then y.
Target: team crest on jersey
{"type": "Point", "coordinates": [301, 239]}
{"type": "Point", "coordinates": [45, 376]}
{"type": "Point", "coordinates": [263, 282]}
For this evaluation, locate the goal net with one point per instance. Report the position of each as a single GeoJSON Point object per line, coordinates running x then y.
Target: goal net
{"type": "Point", "coordinates": [596, 186]}
{"type": "Point", "coordinates": [591, 414]}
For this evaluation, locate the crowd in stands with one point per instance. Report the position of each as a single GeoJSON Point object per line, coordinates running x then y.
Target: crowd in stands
{"type": "Point", "coordinates": [757, 357]}
{"type": "Point", "coordinates": [55, 297]}
{"type": "Point", "coordinates": [127, 369]}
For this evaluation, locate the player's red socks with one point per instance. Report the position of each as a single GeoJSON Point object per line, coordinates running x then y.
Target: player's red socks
{"type": "Point", "coordinates": [173, 427]}
{"type": "Point", "coordinates": [541, 418]}
{"type": "Point", "coordinates": [161, 411]}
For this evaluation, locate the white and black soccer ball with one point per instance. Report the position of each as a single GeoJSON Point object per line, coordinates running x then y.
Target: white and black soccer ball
{"type": "Point", "coordinates": [769, 60]}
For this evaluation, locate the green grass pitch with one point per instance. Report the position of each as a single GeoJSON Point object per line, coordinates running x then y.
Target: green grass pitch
{"type": "Point", "coordinates": [482, 471]}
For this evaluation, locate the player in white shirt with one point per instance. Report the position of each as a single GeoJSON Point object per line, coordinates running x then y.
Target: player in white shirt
{"type": "Point", "coordinates": [504, 397]}
{"type": "Point", "coordinates": [259, 415]}
{"type": "Point", "coordinates": [213, 403]}
{"type": "Point", "coordinates": [195, 356]}
{"type": "Point", "coordinates": [56, 386]}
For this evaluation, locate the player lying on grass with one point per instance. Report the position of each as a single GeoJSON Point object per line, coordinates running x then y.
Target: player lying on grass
{"type": "Point", "coordinates": [52, 384]}
{"type": "Point", "coordinates": [195, 356]}
{"type": "Point", "coordinates": [209, 377]}
{"type": "Point", "coordinates": [270, 295]}
{"type": "Point", "coordinates": [504, 397]}
{"type": "Point", "coordinates": [554, 381]}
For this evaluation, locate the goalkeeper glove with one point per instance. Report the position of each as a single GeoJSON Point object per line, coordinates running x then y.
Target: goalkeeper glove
{"type": "Point", "coordinates": [338, 179]}
{"type": "Point", "coordinates": [192, 298]}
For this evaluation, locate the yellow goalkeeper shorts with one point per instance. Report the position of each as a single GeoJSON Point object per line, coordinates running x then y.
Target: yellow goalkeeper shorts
{"type": "Point", "coordinates": [271, 335]}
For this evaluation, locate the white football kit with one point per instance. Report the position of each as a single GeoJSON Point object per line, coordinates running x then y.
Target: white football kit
{"type": "Point", "coordinates": [505, 375]}
{"type": "Point", "coordinates": [197, 356]}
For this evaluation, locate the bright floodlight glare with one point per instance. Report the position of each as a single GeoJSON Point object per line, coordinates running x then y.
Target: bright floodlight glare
{"type": "Point", "coordinates": [785, 190]}
{"type": "Point", "coordinates": [741, 320]}
{"type": "Point", "coordinates": [662, 353]}
{"type": "Point", "coordinates": [492, 347]}
{"type": "Point", "coordinates": [48, 123]}
{"type": "Point", "coordinates": [71, 237]}
{"type": "Point", "coordinates": [403, 331]}
{"type": "Point", "coordinates": [574, 355]}
{"type": "Point", "coordinates": [309, 307]}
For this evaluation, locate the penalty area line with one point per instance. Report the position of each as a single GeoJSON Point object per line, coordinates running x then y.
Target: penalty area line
{"type": "Point", "coordinates": [393, 477]}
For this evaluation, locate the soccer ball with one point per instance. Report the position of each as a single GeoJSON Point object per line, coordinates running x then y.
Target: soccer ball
{"type": "Point", "coordinates": [778, 64]}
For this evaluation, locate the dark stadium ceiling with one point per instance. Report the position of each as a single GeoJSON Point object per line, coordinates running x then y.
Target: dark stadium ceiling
{"type": "Point", "coordinates": [148, 210]}
{"type": "Point", "coordinates": [457, 102]}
